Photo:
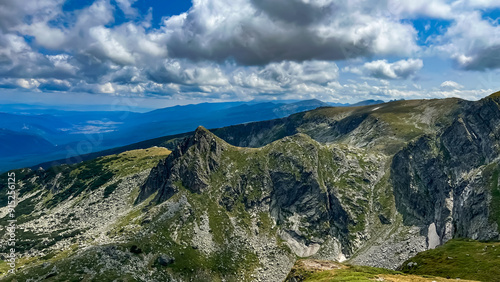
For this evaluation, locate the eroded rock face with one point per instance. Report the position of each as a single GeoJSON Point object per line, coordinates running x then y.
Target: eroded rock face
{"type": "Point", "coordinates": [189, 165]}
{"type": "Point", "coordinates": [440, 179]}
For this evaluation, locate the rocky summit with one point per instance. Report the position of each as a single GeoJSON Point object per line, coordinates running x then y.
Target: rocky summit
{"type": "Point", "coordinates": [369, 186]}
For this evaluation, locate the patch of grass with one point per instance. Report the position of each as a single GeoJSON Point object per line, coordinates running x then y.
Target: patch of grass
{"type": "Point", "coordinates": [93, 174]}
{"type": "Point", "coordinates": [265, 223]}
{"type": "Point", "coordinates": [219, 222]}
{"type": "Point", "coordinates": [339, 272]}
{"type": "Point", "coordinates": [134, 161]}
{"type": "Point", "coordinates": [315, 270]}
{"type": "Point", "coordinates": [111, 188]}
{"type": "Point", "coordinates": [131, 218]}
{"type": "Point", "coordinates": [464, 259]}
{"type": "Point", "coordinates": [495, 95]}
{"type": "Point", "coordinates": [491, 176]}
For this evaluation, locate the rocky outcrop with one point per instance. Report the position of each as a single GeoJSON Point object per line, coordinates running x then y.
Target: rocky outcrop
{"type": "Point", "coordinates": [438, 180]}
{"type": "Point", "coordinates": [189, 165]}
{"type": "Point", "coordinates": [314, 195]}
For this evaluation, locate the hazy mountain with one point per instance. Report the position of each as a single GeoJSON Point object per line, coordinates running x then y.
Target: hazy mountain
{"type": "Point", "coordinates": [367, 103]}
{"type": "Point", "coordinates": [11, 142]}
{"type": "Point", "coordinates": [372, 185]}
{"type": "Point", "coordinates": [76, 132]}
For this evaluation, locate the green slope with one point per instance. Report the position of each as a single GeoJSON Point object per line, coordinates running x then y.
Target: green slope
{"type": "Point", "coordinates": [464, 259]}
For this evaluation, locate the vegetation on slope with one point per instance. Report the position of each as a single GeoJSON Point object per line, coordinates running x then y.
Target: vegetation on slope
{"type": "Point", "coordinates": [316, 271]}
{"type": "Point", "coordinates": [458, 258]}
{"type": "Point", "coordinates": [43, 193]}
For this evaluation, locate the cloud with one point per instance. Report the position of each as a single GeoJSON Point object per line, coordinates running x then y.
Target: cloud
{"type": "Point", "coordinates": [451, 85]}
{"type": "Point", "coordinates": [126, 7]}
{"type": "Point", "coordinates": [257, 32]}
{"type": "Point", "coordinates": [186, 73]}
{"type": "Point", "coordinates": [383, 70]}
{"type": "Point", "coordinates": [365, 90]}
{"type": "Point", "coordinates": [472, 41]}
{"type": "Point", "coordinates": [239, 49]}
{"type": "Point", "coordinates": [297, 11]}
{"type": "Point", "coordinates": [426, 8]}
{"type": "Point", "coordinates": [479, 3]}
{"type": "Point", "coordinates": [288, 74]}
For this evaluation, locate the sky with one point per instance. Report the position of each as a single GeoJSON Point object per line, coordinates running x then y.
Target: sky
{"type": "Point", "coordinates": [162, 53]}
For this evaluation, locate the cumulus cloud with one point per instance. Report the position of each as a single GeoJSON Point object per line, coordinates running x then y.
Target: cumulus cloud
{"type": "Point", "coordinates": [426, 8]}
{"type": "Point", "coordinates": [451, 85]}
{"type": "Point", "coordinates": [472, 41]}
{"type": "Point", "coordinates": [479, 3]}
{"type": "Point", "coordinates": [236, 48]}
{"type": "Point", "coordinates": [289, 74]}
{"type": "Point", "coordinates": [258, 32]}
{"type": "Point", "coordinates": [384, 70]}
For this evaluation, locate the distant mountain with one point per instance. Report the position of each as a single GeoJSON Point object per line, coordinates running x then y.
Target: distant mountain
{"type": "Point", "coordinates": [358, 104]}
{"type": "Point", "coordinates": [367, 103]}
{"type": "Point", "coordinates": [288, 109]}
{"type": "Point", "coordinates": [77, 133]}
{"type": "Point", "coordinates": [16, 143]}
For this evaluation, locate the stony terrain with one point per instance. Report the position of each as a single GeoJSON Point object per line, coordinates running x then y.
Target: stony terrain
{"type": "Point", "coordinates": [372, 185]}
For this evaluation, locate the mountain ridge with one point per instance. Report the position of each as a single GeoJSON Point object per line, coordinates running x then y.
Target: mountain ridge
{"type": "Point", "coordinates": [371, 185]}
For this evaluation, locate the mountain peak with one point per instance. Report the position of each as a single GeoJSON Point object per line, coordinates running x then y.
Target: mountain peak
{"type": "Point", "coordinates": [201, 129]}
{"type": "Point", "coordinates": [204, 136]}
{"type": "Point", "coordinates": [495, 95]}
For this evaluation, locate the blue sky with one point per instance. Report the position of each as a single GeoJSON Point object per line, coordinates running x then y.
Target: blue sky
{"type": "Point", "coordinates": [163, 53]}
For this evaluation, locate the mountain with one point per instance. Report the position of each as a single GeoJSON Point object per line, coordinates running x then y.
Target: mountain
{"type": "Point", "coordinates": [74, 133]}
{"type": "Point", "coordinates": [370, 185]}
{"type": "Point", "coordinates": [367, 103]}
{"type": "Point", "coordinates": [11, 143]}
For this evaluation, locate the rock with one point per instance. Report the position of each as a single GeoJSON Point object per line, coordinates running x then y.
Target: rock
{"type": "Point", "coordinates": [412, 264]}
{"type": "Point", "coordinates": [135, 250]}
{"type": "Point", "coordinates": [165, 260]}
{"type": "Point", "coordinates": [383, 219]}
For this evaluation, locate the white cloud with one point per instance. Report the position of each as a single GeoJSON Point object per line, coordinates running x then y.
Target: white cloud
{"type": "Point", "coordinates": [478, 3]}
{"type": "Point", "coordinates": [451, 85]}
{"type": "Point", "coordinates": [384, 70]}
{"type": "Point", "coordinates": [242, 48]}
{"type": "Point", "coordinates": [473, 42]}
{"type": "Point", "coordinates": [126, 7]}
{"type": "Point", "coordinates": [413, 9]}
{"type": "Point", "coordinates": [28, 83]}
{"type": "Point", "coordinates": [257, 32]}
{"type": "Point", "coordinates": [106, 88]}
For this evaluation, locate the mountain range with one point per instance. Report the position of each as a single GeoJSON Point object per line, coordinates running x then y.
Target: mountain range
{"type": "Point", "coordinates": [45, 134]}
{"type": "Point", "coordinates": [374, 186]}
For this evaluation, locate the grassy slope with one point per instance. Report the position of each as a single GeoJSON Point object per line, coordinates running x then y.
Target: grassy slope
{"type": "Point", "coordinates": [464, 259]}
{"type": "Point", "coordinates": [385, 127]}
{"type": "Point", "coordinates": [100, 173]}
{"type": "Point", "coordinates": [315, 271]}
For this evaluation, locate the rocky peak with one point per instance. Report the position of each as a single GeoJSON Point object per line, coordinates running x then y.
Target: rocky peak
{"type": "Point", "coordinates": [189, 165]}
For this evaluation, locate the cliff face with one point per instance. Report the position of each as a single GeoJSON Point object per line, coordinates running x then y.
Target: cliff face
{"type": "Point", "coordinates": [191, 164]}
{"type": "Point", "coordinates": [373, 185]}
{"type": "Point", "coordinates": [447, 180]}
